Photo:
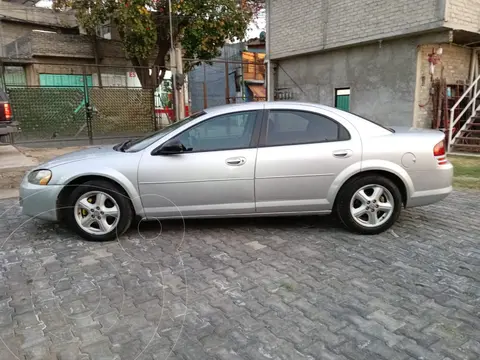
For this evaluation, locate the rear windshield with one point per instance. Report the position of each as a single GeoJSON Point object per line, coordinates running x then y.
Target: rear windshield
{"type": "Point", "coordinates": [369, 120]}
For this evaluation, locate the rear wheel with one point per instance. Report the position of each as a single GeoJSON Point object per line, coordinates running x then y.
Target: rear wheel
{"type": "Point", "coordinates": [99, 211]}
{"type": "Point", "coordinates": [369, 204]}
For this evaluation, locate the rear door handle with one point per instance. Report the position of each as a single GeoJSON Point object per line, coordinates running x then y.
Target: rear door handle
{"type": "Point", "coordinates": [236, 161]}
{"type": "Point", "coordinates": [342, 153]}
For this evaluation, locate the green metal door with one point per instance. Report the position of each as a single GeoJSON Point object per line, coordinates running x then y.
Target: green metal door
{"type": "Point", "coordinates": [342, 99]}
{"type": "Point", "coordinates": [60, 80]}
{"type": "Point", "coordinates": [67, 81]}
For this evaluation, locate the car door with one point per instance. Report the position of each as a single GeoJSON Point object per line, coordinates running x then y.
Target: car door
{"type": "Point", "coordinates": [301, 153]}
{"type": "Point", "coordinates": [213, 176]}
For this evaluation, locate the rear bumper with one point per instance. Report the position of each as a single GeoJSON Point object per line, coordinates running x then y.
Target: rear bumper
{"type": "Point", "coordinates": [423, 198]}
{"type": "Point", "coordinates": [39, 201]}
{"type": "Point", "coordinates": [10, 128]}
{"type": "Point", "coordinates": [439, 184]}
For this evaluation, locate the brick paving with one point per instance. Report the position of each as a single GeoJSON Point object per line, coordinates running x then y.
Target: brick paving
{"type": "Point", "coordinates": [296, 288]}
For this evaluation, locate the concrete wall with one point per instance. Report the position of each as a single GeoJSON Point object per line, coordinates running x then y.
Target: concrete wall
{"type": "Point", "coordinates": [12, 31]}
{"type": "Point", "coordinates": [455, 62]}
{"type": "Point", "coordinates": [37, 15]}
{"type": "Point", "coordinates": [111, 76]}
{"type": "Point", "coordinates": [463, 15]}
{"type": "Point", "coordinates": [382, 78]}
{"type": "Point", "coordinates": [313, 25]}
{"type": "Point", "coordinates": [50, 67]}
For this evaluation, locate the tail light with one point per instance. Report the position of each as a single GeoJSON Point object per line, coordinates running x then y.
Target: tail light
{"type": "Point", "coordinates": [440, 153]}
{"type": "Point", "coordinates": [7, 111]}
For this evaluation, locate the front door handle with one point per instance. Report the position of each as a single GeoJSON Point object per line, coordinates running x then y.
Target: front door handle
{"type": "Point", "coordinates": [236, 161]}
{"type": "Point", "coordinates": [342, 153]}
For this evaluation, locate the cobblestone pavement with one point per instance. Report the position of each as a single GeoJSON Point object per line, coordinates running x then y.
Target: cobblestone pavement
{"type": "Point", "coordinates": [296, 288]}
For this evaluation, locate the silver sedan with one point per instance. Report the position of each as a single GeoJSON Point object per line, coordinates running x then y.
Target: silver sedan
{"type": "Point", "coordinates": [252, 159]}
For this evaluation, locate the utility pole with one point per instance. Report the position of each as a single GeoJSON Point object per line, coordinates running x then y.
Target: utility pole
{"type": "Point", "coordinates": [227, 84]}
{"type": "Point", "coordinates": [270, 82]}
{"type": "Point", "coordinates": [173, 67]}
{"type": "Point", "coordinates": [205, 93]}
{"type": "Point", "coordinates": [180, 93]}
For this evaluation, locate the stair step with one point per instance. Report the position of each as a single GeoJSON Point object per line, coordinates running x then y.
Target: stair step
{"type": "Point", "coordinates": [466, 146]}
{"type": "Point", "coordinates": [468, 138]}
{"type": "Point", "coordinates": [471, 131]}
{"type": "Point", "coordinates": [474, 124]}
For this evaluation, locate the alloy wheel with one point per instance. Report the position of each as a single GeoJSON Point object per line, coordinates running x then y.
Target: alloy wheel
{"type": "Point", "coordinates": [96, 212]}
{"type": "Point", "coordinates": [372, 205]}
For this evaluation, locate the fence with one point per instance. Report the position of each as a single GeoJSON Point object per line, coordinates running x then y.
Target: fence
{"type": "Point", "coordinates": [69, 113]}
{"type": "Point", "coordinates": [81, 106]}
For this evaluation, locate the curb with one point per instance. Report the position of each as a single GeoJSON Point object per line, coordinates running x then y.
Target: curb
{"type": "Point", "coordinates": [10, 178]}
{"type": "Point", "coordinates": [9, 194]}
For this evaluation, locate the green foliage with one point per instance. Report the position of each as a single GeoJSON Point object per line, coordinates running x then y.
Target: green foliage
{"type": "Point", "coordinates": [202, 26]}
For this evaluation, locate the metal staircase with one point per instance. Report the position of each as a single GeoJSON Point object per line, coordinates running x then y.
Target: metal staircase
{"type": "Point", "coordinates": [464, 129]}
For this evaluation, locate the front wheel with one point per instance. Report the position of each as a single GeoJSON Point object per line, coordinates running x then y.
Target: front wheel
{"type": "Point", "coordinates": [369, 205]}
{"type": "Point", "coordinates": [99, 211]}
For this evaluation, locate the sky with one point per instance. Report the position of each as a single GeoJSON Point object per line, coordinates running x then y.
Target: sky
{"type": "Point", "coordinates": [257, 26]}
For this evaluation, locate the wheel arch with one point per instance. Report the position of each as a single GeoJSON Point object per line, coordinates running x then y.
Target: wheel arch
{"type": "Point", "coordinates": [397, 179]}
{"type": "Point", "coordinates": [62, 198]}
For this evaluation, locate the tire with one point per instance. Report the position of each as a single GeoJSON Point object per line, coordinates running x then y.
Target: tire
{"type": "Point", "coordinates": [357, 196]}
{"type": "Point", "coordinates": [103, 200]}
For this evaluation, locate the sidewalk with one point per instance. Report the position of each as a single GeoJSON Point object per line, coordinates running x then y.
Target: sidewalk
{"type": "Point", "coordinates": [16, 160]}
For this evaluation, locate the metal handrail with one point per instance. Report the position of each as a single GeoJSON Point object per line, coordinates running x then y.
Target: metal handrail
{"type": "Point", "coordinates": [472, 103]}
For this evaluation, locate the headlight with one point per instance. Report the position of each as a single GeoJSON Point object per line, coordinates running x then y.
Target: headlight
{"type": "Point", "coordinates": [40, 177]}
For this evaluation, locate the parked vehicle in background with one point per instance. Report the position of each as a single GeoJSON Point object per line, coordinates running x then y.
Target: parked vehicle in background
{"type": "Point", "coordinates": [7, 124]}
{"type": "Point", "coordinates": [251, 159]}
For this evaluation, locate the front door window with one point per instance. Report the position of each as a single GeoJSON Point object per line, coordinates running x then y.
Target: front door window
{"type": "Point", "coordinates": [224, 132]}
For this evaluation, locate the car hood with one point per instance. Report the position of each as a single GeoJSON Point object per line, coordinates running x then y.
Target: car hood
{"type": "Point", "coordinates": [85, 154]}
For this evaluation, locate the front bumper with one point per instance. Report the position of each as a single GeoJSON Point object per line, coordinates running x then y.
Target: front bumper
{"type": "Point", "coordinates": [39, 201]}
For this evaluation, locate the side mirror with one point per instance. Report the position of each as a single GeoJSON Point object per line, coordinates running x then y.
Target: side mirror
{"type": "Point", "coordinates": [171, 147]}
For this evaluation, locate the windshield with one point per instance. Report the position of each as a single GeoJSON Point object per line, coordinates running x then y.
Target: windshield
{"type": "Point", "coordinates": [142, 143]}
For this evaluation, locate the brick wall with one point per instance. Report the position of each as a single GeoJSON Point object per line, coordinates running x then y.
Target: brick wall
{"type": "Point", "coordinates": [39, 44]}
{"type": "Point", "coordinates": [463, 14]}
{"type": "Point", "coordinates": [73, 46]}
{"type": "Point", "coordinates": [12, 31]}
{"type": "Point", "coordinates": [456, 67]}
{"type": "Point", "coordinates": [312, 25]}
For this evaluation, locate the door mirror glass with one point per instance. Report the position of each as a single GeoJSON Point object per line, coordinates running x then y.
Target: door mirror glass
{"type": "Point", "coordinates": [171, 147]}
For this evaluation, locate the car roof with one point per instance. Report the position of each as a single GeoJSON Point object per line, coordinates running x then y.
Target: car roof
{"type": "Point", "coordinates": [363, 125]}
{"type": "Point", "coordinates": [258, 105]}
